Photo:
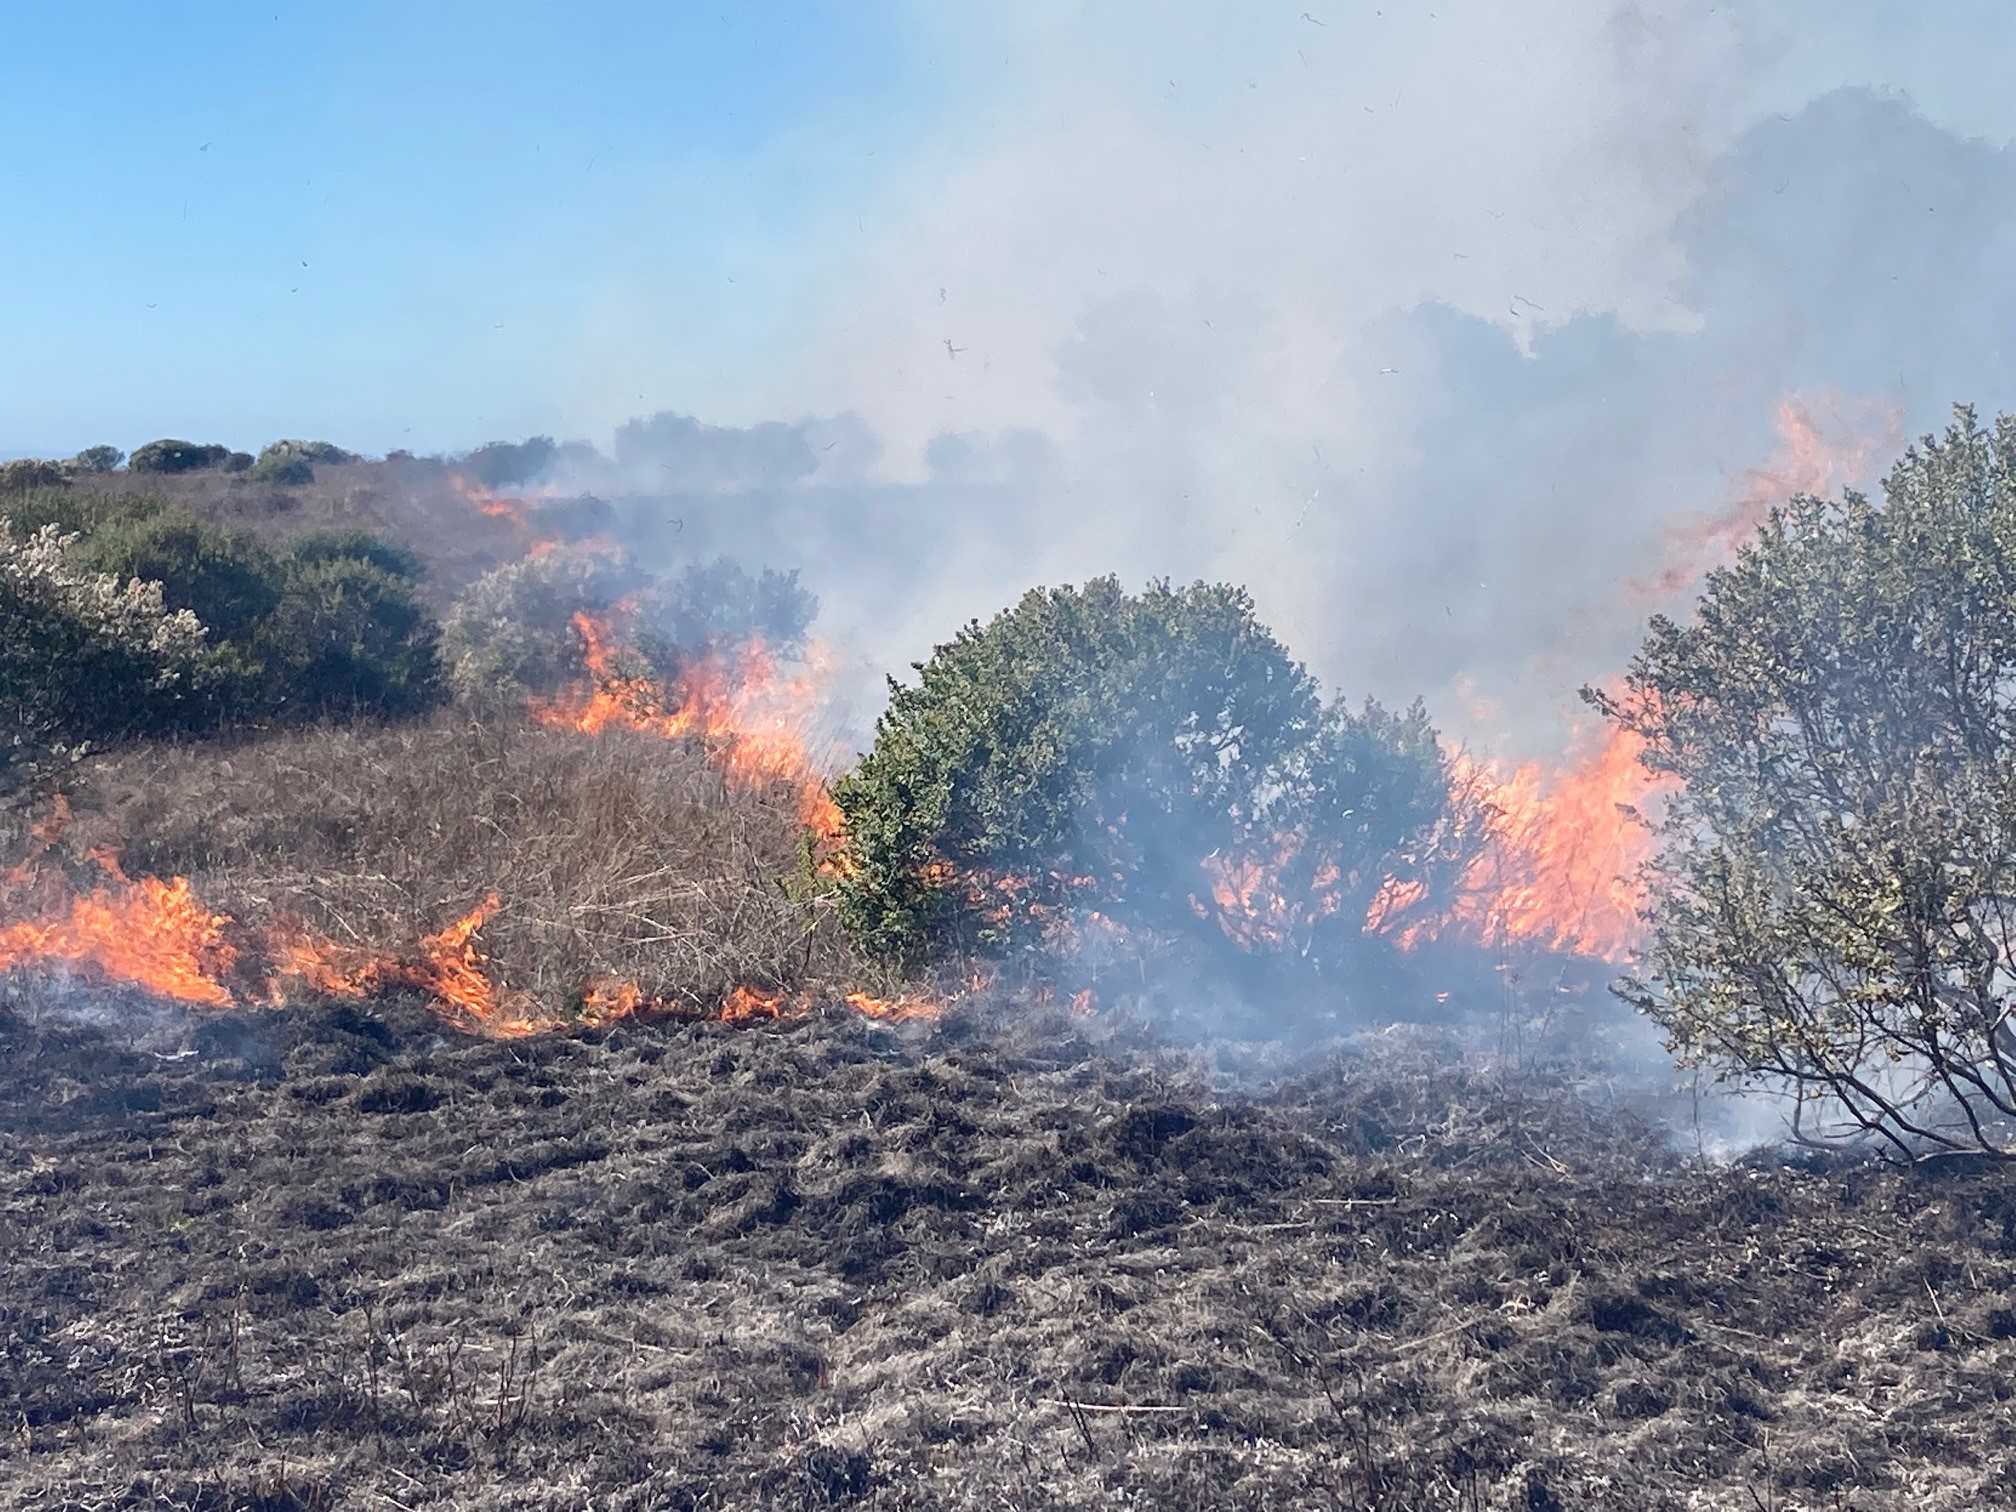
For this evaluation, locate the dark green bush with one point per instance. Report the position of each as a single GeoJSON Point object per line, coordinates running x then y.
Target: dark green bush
{"type": "Point", "coordinates": [237, 462]}
{"type": "Point", "coordinates": [78, 510]}
{"type": "Point", "coordinates": [350, 636]}
{"type": "Point", "coordinates": [313, 451]}
{"type": "Point", "coordinates": [331, 545]}
{"type": "Point", "coordinates": [1145, 757]}
{"type": "Point", "coordinates": [84, 659]}
{"type": "Point", "coordinates": [173, 456]}
{"type": "Point", "coordinates": [226, 578]}
{"type": "Point", "coordinates": [282, 468]}
{"type": "Point", "coordinates": [719, 604]}
{"type": "Point", "coordinates": [501, 464]}
{"type": "Point", "coordinates": [333, 625]}
{"type": "Point", "coordinates": [98, 459]}
{"type": "Point", "coordinates": [510, 634]}
{"type": "Point", "coordinates": [31, 472]}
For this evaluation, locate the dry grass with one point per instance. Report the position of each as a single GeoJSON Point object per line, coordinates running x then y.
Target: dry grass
{"type": "Point", "coordinates": [611, 855]}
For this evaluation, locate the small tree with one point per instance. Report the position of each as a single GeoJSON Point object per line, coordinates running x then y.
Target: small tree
{"type": "Point", "coordinates": [85, 658]}
{"type": "Point", "coordinates": [1834, 903]}
{"type": "Point", "coordinates": [98, 459]}
{"type": "Point", "coordinates": [1157, 759]}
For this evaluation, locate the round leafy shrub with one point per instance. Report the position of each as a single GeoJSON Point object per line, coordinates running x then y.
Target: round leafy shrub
{"type": "Point", "coordinates": [174, 456]}
{"type": "Point", "coordinates": [1158, 759]}
{"type": "Point", "coordinates": [289, 471]}
{"type": "Point", "coordinates": [510, 634]}
{"type": "Point", "coordinates": [360, 545]}
{"type": "Point", "coordinates": [333, 625]}
{"type": "Point", "coordinates": [349, 636]}
{"type": "Point", "coordinates": [720, 604]}
{"type": "Point", "coordinates": [312, 452]}
{"type": "Point", "coordinates": [503, 464]}
{"type": "Point", "coordinates": [226, 578]}
{"type": "Point", "coordinates": [85, 657]}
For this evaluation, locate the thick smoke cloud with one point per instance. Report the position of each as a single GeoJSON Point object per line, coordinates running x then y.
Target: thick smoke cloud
{"type": "Point", "coordinates": [1438, 384]}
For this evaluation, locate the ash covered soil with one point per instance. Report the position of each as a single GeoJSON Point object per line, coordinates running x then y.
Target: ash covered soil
{"type": "Point", "coordinates": [336, 1258]}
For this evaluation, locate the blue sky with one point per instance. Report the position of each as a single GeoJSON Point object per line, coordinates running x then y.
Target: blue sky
{"type": "Point", "coordinates": [255, 219]}
{"type": "Point", "coordinates": [428, 225]}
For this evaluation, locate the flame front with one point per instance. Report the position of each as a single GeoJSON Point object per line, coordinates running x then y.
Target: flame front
{"type": "Point", "coordinates": [152, 934]}
{"type": "Point", "coordinates": [1561, 868]}
{"type": "Point", "coordinates": [160, 937]}
{"type": "Point", "coordinates": [750, 719]}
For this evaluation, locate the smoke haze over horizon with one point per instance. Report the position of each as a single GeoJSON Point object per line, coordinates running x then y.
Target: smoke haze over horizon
{"type": "Point", "coordinates": [1464, 338]}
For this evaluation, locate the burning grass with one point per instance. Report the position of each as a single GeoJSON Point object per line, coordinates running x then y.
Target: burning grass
{"type": "Point", "coordinates": [517, 875]}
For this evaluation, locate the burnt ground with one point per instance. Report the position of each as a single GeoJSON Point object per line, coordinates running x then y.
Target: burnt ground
{"type": "Point", "coordinates": [330, 1258]}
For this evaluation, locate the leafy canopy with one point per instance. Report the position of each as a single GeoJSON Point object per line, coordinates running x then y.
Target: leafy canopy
{"type": "Point", "coordinates": [1835, 895]}
{"type": "Point", "coordinates": [1147, 757]}
{"type": "Point", "coordinates": [331, 625]}
{"type": "Point", "coordinates": [85, 657]}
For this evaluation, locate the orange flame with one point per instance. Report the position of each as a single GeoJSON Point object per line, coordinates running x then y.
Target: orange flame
{"type": "Point", "coordinates": [1561, 869]}
{"type": "Point", "coordinates": [495, 505]}
{"type": "Point", "coordinates": [152, 934]}
{"type": "Point", "coordinates": [1810, 459]}
{"type": "Point", "coordinates": [159, 937]}
{"type": "Point", "coordinates": [452, 970]}
{"type": "Point", "coordinates": [751, 719]}
{"type": "Point", "coordinates": [897, 1010]}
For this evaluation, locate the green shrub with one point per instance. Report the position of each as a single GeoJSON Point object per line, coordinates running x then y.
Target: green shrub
{"type": "Point", "coordinates": [1831, 902]}
{"type": "Point", "coordinates": [237, 462]}
{"type": "Point", "coordinates": [721, 604]}
{"type": "Point", "coordinates": [77, 510]}
{"type": "Point", "coordinates": [350, 636]}
{"type": "Point", "coordinates": [334, 625]}
{"type": "Point", "coordinates": [173, 456]}
{"type": "Point", "coordinates": [361, 545]}
{"type": "Point", "coordinates": [98, 459]}
{"type": "Point", "coordinates": [510, 634]}
{"type": "Point", "coordinates": [226, 578]}
{"type": "Point", "coordinates": [282, 468]}
{"type": "Point", "coordinates": [1138, 756]}
{"type": "Point", "coordinates": [25, 473]}
{"type": "Point", "coordinates": [84, 657]}
{"type": "Point", "coordinates": [501, 464]}
{"type": "Point", "coordinates": [311, 452]}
